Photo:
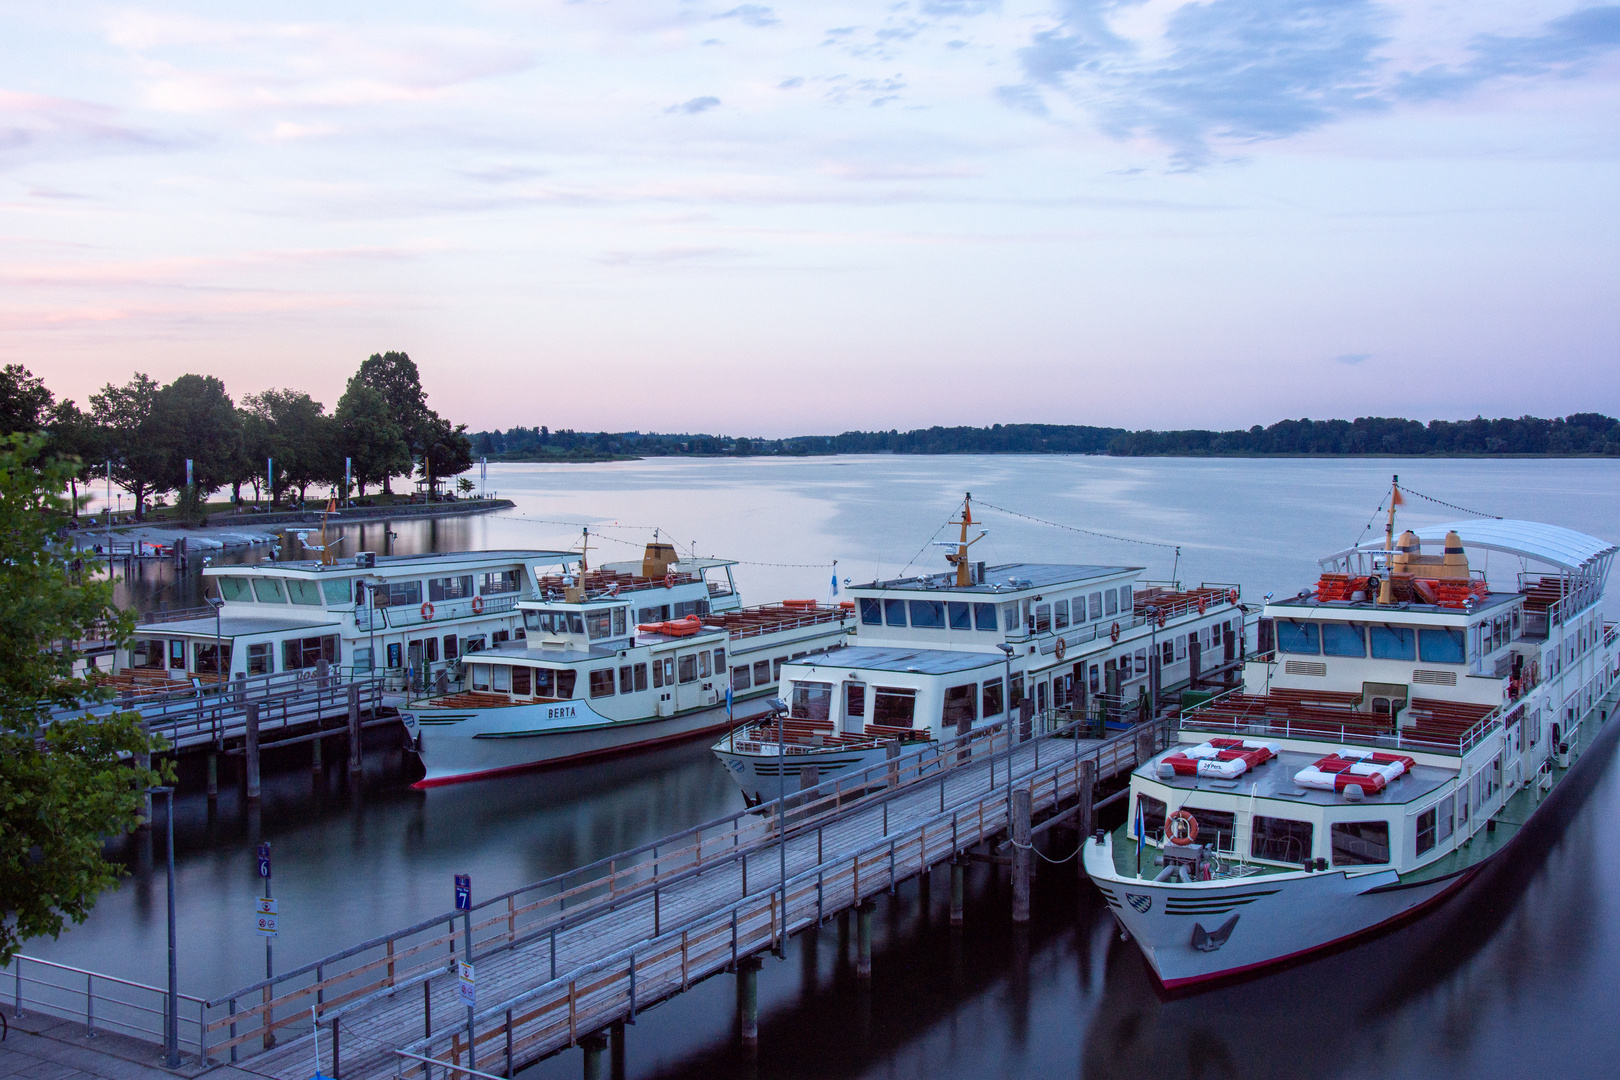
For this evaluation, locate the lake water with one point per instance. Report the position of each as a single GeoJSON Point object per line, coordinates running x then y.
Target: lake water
{"type": "Point", "coordinates": [1513, 978]}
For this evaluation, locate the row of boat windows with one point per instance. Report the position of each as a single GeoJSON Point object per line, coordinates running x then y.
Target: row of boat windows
{"type": "Point", "coordinates": [896, 706]}
{"type": "Point", "coordinates": [1436, 646]}
{"type": "Point", "coordinates": [961, 615]}
{"type": "Point", "coordinates": [298, 654]}
{"type": "Point", "coordinates": [338, 591]}
{"type": "Point", "coordinates": [601, 682]}
{"type": "Point", "coordinates": [595, 623]}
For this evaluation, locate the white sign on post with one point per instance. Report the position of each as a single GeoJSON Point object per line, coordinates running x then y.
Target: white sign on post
{"type": "Point", "coordinates": [464, 983]}
{"type": "Point", "coordinates": [265, 915]}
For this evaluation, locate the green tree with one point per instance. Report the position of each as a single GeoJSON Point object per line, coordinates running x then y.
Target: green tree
{"type": "Point", "coordinates": [76, 440]}
{"type": "Point", "coordinates": [139, 459]}
{"type": "Point", "coordinates": [25, 404]}
{"type": "Point", "coordinates": [64, 785]}
{"type": "Point", "coordinates": [301, 438]}
{"type": "Point", "coordinates": [369, 434]}
{"type": "Point", "coordinates": [394, 376]}
{"type": "Point", "coordinates": [194, 418]}
{"type": "Point", "coordinates": [446, 451]}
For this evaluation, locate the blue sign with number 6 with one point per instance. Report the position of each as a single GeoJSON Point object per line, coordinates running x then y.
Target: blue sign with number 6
{"type": "Point", "coordinates": [264, 860]}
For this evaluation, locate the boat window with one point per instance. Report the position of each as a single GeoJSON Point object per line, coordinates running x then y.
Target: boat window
{"type": "Point", "coordinates": [259, 660]}
{"type": "Point", "coordinates": [1043, 618]}
{"type": "Point", "coordinates": [1446, 824]}
{"type": "Point", "coordinates": [653, 614]}
{"type": "Point", "coordinates": [991, 697]}
{"type": "Point", "coordinates": [959, 710]}
{"type": "Point", "coordinates": [741, 677]}
{"type": "Point", "coordinates": [602, 682]}
{"type": "Point", "coordinates": [576, 622]}
{"type": "Point", "coordinates": [1441, 646]}
{"type": "Point", "coordinates": [401, 592]}
{"type": "Point", "coordinates": [776, 669]}
{"type": "Point", "coordinates": [1096, 679]}
{"type": "Point", "coordinates": [871, 611]}
{"type": "Point", "coordinates": [894, 706]}
{"type": "Point", "coordinates": [450, 650]}
{"type": "Point", "coordinates": [500, 678]}
{"type": "Point", "coordinates": [1110, 602]}
{"type": "Point", "coordinates": [1167, 653]}
{"type": "Point", "coordinates": [855, 699]}
{"type": "Point", "coordinates": [1462, 804]}
{"type": "Point", "coordinates": [961, 615]}
{"type": "Point", "coordinates": [1425, 831]}
{"type": "Point", "coordinates": [762, 672]}
{"type": "Point", "coordinates": [1341, 639]}
{"type": "Point", "coordinates": [1216, 828]}
{"type": "Point", "coordinates": [641, 676]}
{"type": "Point", "coordinates": [703, 665]}
{"type": "Point", "coordinates": [894, 612]}
{"type": "Point", "coordinates": [599, 623]}
{"type": "Point", "coordinates": [565, 682]}
{"type": "Point", "coordinates": [1125, 599]}
{"type": "Point", "coordinates": [268, 591]}
{"type": "Point", "coordinates": [499, 581]}
{"type": "Point", "coordinates": [146, 654]}
{"type": "Point", "coordinates": [720, 661]}
{"type": "Point", "coordinates": [1181, 646]}
{"type": "Point", "coordinates": [478, 676]}
{"type": "Point", "coordinates": [395, 649]}
{"type": "Point", "coordinates": [545, 682]}
{"type": "Point", "coordinates": [1015, 691]}
{"type": "Point", "coordinates": [1298, 637]}
{"type": "Point", "coordinates": [1515, 623]}
{"type": "Point", "coordinates": [1151, 813]}
{"type": "Point", "coordinates": [688, 665]}
{"type": "Point", "coordinates": [303, 653]}
{"type": "Point", "coordinates": [1141, 662]}
{"type": "Point", "coordinates": [1094, 605]}
{"type": "Point", "coordinates": [522, 680]}
{"type": "Point", "coordinates": [1360, 843]}
{"type": "Point", "coordinates": [336, 591]}
{"type": "Point", "coordinates": [205, 658]}
{"type": "Point", "coordinates": [1394, 643]}
{"type": "Point", "coordinates": [235, 588]}
{"type": "Point", "coordinates": [1009, 617]}
{"type": "Point", "coordinates": [1280, 839]}
{"type": "Point", "coordinates": [927, 613]}
{"type": "Point", "coordinates": [984, 616]}
{"type": "Point", "coordinates": [450, 588]}
{"type": "Point", "coordinates": [619, 619]}
{"type": "Point", "coordinates": [431, 651]}
{"type": "Point", "coordinates": [811, 701]}
{"type": "Point", "coordinates": [1060, 614]}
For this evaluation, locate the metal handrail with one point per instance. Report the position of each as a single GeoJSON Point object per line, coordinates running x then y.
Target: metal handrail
{"type": "Point", "coordinates": [116, 1014]}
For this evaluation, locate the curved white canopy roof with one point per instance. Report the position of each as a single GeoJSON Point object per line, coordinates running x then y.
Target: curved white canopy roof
{"type": "Point", "coordinates": [1550, 544]}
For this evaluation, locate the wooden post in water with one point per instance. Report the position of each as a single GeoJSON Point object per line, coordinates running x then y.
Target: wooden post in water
{"type": "Point", "coordinates": [957, 890]}
{"type": "Point", "coordinates": [615, 1050]}
{"type": "Point", "coordinates": [354, 728]}
{"type": "Point", "coordinates": [863, 940]}
{"type": "Point", "coordinates": [1085, 816]}
{"type": "Point", "coordinates": [144, 760]}
{"type": "Point", "coordinates": [748, 998]}
{"type": "Point", "coordinates": [1021, 853]}
{"type": "Point", "coordinates": [593, 1046]}
{"type": "Point", "coordinates": [252, 754]}
{"type": "Point", "coordinates": [315, 751]}
{"type": "Point", "coordinates": [213, 777]}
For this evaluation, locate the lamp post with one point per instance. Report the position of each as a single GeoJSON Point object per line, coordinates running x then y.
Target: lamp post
{"type": "Point", "coordinates": [780, 707]}
{"type": "Point", "coordinates": [1006, 711]}
{"type": "Point", "coordinates": [171, 1023]}
{"type": "Point", "coordinates": [218, 604]}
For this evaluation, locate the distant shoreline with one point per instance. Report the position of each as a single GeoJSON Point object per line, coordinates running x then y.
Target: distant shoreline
{"type": "Point", "coordinates": [558, 459]}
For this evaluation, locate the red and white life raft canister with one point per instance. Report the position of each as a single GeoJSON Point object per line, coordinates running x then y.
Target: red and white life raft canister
{"type": "Point", "coordinates": [1220, 758]}
{"type": "Point", "coordinates": [1364, 770]}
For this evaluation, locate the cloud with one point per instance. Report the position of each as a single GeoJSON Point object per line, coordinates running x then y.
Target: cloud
{"type": "Point", "coordinates": [751, 15]}
{"type": "Point", "coordinates": [1352, 358]}
{"type": "Point", "coordinates": [695, 105]}
{"type": "Point", "coordinates": [791, 83]}
{"type": "Point", "coordinates": [1564, 46]}
{"type": "Point", "coordinates": [36, 125]}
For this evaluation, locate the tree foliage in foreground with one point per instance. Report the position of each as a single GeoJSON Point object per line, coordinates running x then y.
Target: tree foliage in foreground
{"type": "Point", "coordinates": [64, 786]}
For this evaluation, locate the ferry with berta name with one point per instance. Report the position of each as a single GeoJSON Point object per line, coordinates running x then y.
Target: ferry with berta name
{"type": "Point", "coordinates": [1405, 722]}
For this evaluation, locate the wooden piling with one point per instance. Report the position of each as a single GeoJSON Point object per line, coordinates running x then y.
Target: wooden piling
{"type": "Point", "coordinates": [315, 755]}
{"type": "Point", "coordinates": [1086, 815]}
{"type": "Point", "coordinates": [863, 940]}
{"type": "Point", "coordinates": [593, 1045]}
{"type": "Point", "coordinates": [616, 1050]}
{"type": "Point", "coordinates": [354, 728]}
{"type": "Point", "coordinates": [1021, 853]}
{"type": "Point", "coordinates": [958, 872]}
{"type": "Point", "coordinates": [252, 755]}
{"type": "Point", "coordinates": [748, 998]}
{"type": "Point", "coordinates": [213, 777]}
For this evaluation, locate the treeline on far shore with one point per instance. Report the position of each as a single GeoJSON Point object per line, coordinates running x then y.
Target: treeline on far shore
{"type": "Point", "coordinates": [1580, 434]}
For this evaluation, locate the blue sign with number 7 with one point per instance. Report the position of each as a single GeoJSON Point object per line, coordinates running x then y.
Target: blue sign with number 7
{"type": "Point", "coordinates": [463, 892]}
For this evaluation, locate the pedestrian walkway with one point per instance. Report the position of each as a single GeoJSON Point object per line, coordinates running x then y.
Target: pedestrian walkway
{"type": "Point", "coordinates": [41, 1047]}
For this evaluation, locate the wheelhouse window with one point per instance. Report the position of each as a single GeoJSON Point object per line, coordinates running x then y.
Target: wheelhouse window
{"type": "Point", "coordinates": [984, 617]}
{"type": "Point", "coordinates": [602, 682]}
{"type": "Point", "coordinates": [450, 588]}
{"type": "Point", "coordinates": [871, 611]}
{"type": "Point", "coordinates": [1094, 605]}
{"type": "Point", "coordinates": [1043, 618]}
{"type": "Point", "coordinates": [959, 706]}
{"type": "Point", "coordinates": [599, 623]}
{"type": "Point", "coordinates": [894, 612]}
{"type": "Point", "coordinates": [1151, 813]}
{"type": "Point", "coordinates": [960, 614]}
{"type": "Point", "coordinates": [499, 581]}
{"type": "Point", "coordinates": [1298, 637]}
{"type": "Point", "coordinates": [1444, 646]}
{"type": "Point", "coordinates": [894, 706]}
{"type": "Point", "coordinates": [1280, 839]}
{"type": "Point", "coordinates": [303, 653]}
{"type": "Point", "coordinates": [1426, 831]}
{"type": "Point", "coordinates": [927, 614]}
{"type": "Point", "coordinates": [398, 593]}
{"type": "Point", "coordinates": [1110, 602]}
{"type": "Point", "coordinates": [1394, 643]}
{"type": "Point", "coordinates": [1342, 639]}
{"type": "Point", "coordinates": [336, 591]}
{"type": "Point", "coordinates": [268, 591]}
{"type": "Point", "coordinates": [1216, 828]}
{"type": "Point", "coordinates": [307, 593]}
{"type": "Point", "coordinates": [1060, 615]}
{"type": "Point", "coordinates": [235, 588]}
{"type": "Point", "coordinates": [1359, 843]}
{"type": "Point", "coordinates": [811, 701]}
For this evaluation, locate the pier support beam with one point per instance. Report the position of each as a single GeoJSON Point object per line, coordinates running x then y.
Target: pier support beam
{"type": "Point", "coordinates": [315, 756]}
{"type": "Point", "coordinates": [616, 1050]}
{"type": "Point", "coordinates": [748, 998]}
{"type": "Point", "coordinates": [252, 755]}
{"type": "Point", "coordinates": [213, 777]}
{"type": "Point", "coordinates": [958, 872]}
{"type": "Point", "coordinates": [593, 1045]}
{"type": "Point", "coordinates": [354, 728]}
{"type": "Point", "coordinates": [1022, 852]}
{"type": "Point", "coordinates": [863, 940]}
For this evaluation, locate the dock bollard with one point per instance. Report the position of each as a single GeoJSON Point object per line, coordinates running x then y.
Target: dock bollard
{"type": "Point", "coordinates": [1020, 854]}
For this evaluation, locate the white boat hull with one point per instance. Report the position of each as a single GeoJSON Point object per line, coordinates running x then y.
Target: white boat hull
{"type": "Point", "coordinates": [1278, 916]}
{"type": "Point", "coordinates": [760, 774]}
{"type": "Point", "coordinates": [466, 744]}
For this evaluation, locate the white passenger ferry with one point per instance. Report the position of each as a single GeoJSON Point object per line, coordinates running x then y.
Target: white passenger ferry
{"type": "Point", "coordinates": [1404, 725]}
{"type": "Point", "coordinates": [947, 654]}
{"type": "Point", "coordinates": [626, 656]}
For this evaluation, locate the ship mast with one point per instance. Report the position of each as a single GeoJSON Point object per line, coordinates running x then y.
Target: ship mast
{"type": "Point", "coordinates": [575, 594]}
{"type": "Point", "coordinates": [960, 558]}
{"type": "Point", "coordinates": [1386, 591]}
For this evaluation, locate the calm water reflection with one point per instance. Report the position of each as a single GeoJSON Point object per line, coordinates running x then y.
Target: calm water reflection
{"type": "Point", "coordinates": [1521, 984]}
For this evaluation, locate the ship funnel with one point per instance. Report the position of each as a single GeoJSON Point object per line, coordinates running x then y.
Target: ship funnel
{"type": "Point", "coordinates": [658, 559]}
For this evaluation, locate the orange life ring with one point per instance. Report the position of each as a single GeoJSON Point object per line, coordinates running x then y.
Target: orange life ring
{"type": "Point", "coordinates": [669, 581]}
{"type": "Point", "coordinates": [478, 605]}
{"type": "Point", "coordinates": [1113, 631]}
{"type": "Point", "coordinates": [1162, 617]}
{"type": "Point", "coordinates": [1059, 649]}
{"type": "Point", "coordinates": [427, 609]}
{"type": "Point", "coordinates": [1181, 828]}
{"type": "Point", "coordinates": [1232, 596]}
{"type": "Point", "coordinates": [1202, 603]}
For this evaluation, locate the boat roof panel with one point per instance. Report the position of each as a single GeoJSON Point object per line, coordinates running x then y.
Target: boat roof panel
{"type": "Point", "coordinates": [998, 580]}
{"type": "Point", "coordinates": [233, 626]}
{"type": "Point", "coordinates": [1275, 780]}
{"type": "Point", "coordinates": [1550, 544]}
{"type": "Point", "coordinates": [397, 562]}
{"type": "Point", "coordinates": [914, 661]}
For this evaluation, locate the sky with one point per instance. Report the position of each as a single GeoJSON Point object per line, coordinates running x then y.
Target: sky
{"type": "Point", "coordinates": [790, 218]}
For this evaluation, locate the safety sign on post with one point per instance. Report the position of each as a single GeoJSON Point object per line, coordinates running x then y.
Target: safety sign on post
{"type": "Point", "coordinates": [465, 989]}
{"type": "Point", "coordinates": [265, 914]}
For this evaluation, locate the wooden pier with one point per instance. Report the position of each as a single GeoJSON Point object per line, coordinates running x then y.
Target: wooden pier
{"type": "Point", "coordinates": [559, 962]}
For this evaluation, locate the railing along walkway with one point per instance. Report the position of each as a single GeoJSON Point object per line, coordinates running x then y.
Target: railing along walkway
{"type": "Point", "coordinates": [645, 924]}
